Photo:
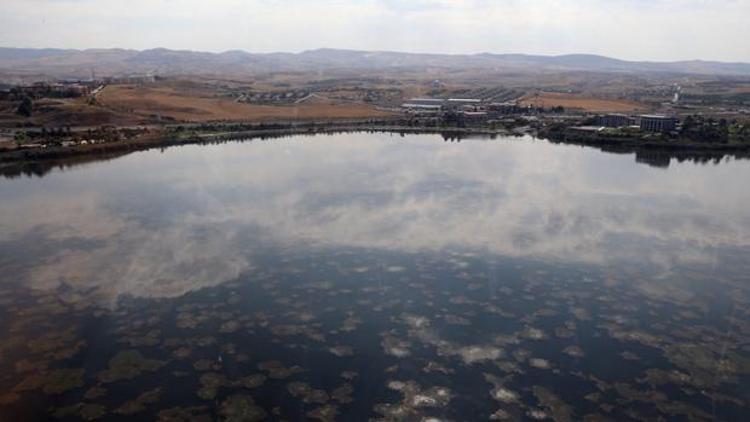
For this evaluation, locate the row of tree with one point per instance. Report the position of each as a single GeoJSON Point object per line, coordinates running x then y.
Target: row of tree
{"type": "Point", "coordinates": [710, 130]}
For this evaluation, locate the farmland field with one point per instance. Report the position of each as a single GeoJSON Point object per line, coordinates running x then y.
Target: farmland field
{"type": "Point", "coordinates": [202, 106]}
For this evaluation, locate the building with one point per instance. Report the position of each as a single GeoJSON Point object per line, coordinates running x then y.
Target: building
{"type": "Point", "coordinates": [462, 103]}
{"type": "Point", "coordinates": [440, 104]}
{"type": "Point", "coordinates": [587, 129]}
{"type": "Point", "coordinates": [424, 104]}
{"type": "Point", "coordinates": [616, 120]}
{"type": "Point", "coordinates": [658, 123]}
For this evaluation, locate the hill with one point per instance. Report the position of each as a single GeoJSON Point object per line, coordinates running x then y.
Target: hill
{"type": "Point", "coordinates": [59, 63]}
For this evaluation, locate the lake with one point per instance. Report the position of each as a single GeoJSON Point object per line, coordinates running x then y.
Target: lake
{"type": "Point", "coordinates": [372, 276]}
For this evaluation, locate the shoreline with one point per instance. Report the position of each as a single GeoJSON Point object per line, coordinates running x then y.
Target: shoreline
{"type": "Point", "coordinates": [656, 153]}
{"type": "Point", "coordinates": [169, 136]}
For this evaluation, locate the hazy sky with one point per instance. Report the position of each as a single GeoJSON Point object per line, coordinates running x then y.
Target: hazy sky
{"type": "Point", "coordinates": [629, 29]}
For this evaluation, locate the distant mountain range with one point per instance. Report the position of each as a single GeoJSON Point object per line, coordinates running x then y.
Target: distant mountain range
{"type": "Point", "coordinates": [111, 62]}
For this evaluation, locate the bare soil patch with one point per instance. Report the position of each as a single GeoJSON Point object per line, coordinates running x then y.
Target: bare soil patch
{"type": "Point", "coordinates": [580, 102]}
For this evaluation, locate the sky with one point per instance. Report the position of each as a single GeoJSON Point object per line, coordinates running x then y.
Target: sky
{"type": "Point", "coordinates": [659, 30]}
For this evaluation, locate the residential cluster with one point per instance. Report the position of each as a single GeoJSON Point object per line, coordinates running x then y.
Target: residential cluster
{"type": "Point", "coordinates": [645, 122]}
{"type": "Point", "coordinates": [650, 123]}
{"type": "Point", "coordinates": [464, 111]}
{"type": "Point", "coordinates": [65, 89]}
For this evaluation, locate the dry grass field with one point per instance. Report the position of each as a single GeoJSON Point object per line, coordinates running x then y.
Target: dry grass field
{"type": "Point", "coordinates": [580, 102]}
{"type": "Point", "coordinates": [197, 105]}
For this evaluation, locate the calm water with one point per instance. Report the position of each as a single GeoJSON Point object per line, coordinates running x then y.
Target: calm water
{"type": "Point", "coordinates": [372, 276]}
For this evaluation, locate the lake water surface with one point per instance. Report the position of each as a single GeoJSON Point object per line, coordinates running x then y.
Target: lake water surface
{"type": "Point", "coordinates": [373, 276]}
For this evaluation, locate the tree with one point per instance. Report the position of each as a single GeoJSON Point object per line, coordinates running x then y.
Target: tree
{"type": "Point", "coordinates": [26, 107]}
{"type": "Point", "coordinates": [20, 137]}
{"type": "Point", "coordinates": [743, 133]}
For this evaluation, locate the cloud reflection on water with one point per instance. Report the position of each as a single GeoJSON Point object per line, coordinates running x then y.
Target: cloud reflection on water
{"type": "Point", "coordinates": [195, 216]}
